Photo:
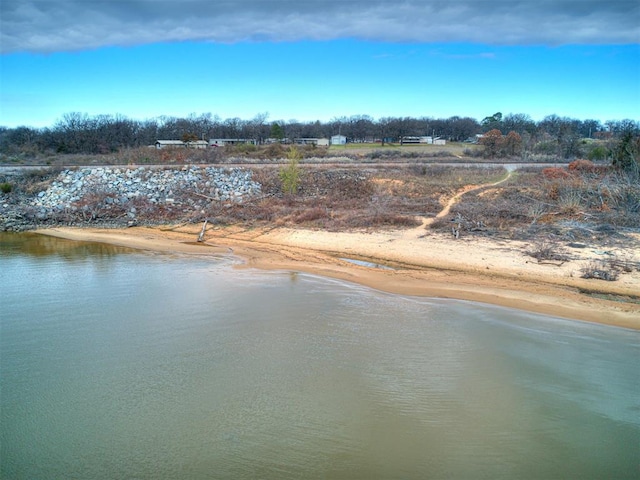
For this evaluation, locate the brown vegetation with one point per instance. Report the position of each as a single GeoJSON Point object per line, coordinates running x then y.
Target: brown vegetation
{"type": "Point", "coordinates": [350, 198]}
{"type": "Point", "coordinates": [576, 203]}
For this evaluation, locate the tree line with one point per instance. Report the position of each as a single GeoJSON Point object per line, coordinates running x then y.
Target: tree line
{"type": "Point", "coordinates": [81, 133]}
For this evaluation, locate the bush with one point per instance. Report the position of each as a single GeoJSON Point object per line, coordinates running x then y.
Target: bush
{"type": "Point", "coordinates": [244, 148]}
{"type": "Point", "coordinates": [274, 150]}
{"type": "Point", "coordinates": [548, 251]}
{"type": "Point", "coordinates": [290, 175]}
{"type": "Point", "coordinates": [555, 172]}
{"type": "Point", "coordinates": [6, 187]}
{"type": "Point", "coordinates": [627, 153]}
{"type": "Point", "coordinates": [582, 166]}
{"type": "Point", "coordinates": [546, 148]}
{"type": "Point", "coordinates": [310, 215]}
{"type": "Point", "coordinates": [599, 152]}
{"type": "Point", "coordinates": [601, 270]}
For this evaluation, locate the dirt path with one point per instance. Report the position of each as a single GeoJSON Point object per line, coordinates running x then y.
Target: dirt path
{"type": "Point", "coordinates": [426, 221]}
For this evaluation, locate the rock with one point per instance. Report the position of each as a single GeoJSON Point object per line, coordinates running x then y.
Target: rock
{"type": "Point", "coordinates": [107, 190]}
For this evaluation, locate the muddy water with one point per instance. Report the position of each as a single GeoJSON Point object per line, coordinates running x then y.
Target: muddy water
{"type": "Point", "coordinates": [121, 364]}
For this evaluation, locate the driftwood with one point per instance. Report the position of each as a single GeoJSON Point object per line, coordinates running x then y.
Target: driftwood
{"type": "Point", "coordinates": [204, 227]}
{"type": "Point", "coordinates": [203, 196]}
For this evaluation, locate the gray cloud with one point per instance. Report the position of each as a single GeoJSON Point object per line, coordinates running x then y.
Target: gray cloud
{"type": "Point", "coordinates": [66, 25]}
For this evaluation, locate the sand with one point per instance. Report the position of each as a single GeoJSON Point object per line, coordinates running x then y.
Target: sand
{"type": "Point", "coordinates": [416, 261]}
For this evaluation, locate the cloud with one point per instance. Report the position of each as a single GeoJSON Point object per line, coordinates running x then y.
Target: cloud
{"type": "Point", "coordinates": [67, 25]}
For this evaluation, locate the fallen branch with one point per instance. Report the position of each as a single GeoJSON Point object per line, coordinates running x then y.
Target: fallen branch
{"type": "Point", "coordinates": [203, 196]}
{"type": "Point", "coordinates": [201, 236]}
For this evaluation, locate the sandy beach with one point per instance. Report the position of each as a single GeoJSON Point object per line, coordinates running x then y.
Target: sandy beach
{"type": "Point", "coordinates": [409, 262]}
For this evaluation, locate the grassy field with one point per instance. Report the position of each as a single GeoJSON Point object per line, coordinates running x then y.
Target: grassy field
{"type": "Point", "coordinates": [250, 154]}
{"type": "Point", "coordinates": [452, 148]}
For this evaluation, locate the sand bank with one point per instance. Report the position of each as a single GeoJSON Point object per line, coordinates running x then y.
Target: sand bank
{"type": "Point", "coordinates": [419, 263]}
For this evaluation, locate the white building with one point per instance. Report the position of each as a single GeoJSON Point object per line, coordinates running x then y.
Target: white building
{"type": "Point", "coordinates": [221, 142]}
{"type": "Point", "coordinates": [423, 140]}
{"type": "Point", "coordinates": [200, 144]}
{"type": "Point", "coordinates": [169, 144]}
{"type": "Point", "coordinates": [338, 140]}
{"type": "Point", "coordinates": [323, 142]}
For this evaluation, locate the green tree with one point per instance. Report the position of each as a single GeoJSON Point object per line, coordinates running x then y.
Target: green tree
{"type": "Point", "coordinates": [277, 131]}
{"type": "Point", "coordinates": [493, 122]}
{"type": "Point", "coordinates": [626, 154]}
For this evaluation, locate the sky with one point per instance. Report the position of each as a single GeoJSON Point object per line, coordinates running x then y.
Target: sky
{"type": "Point", "coordinates": [318, 59]}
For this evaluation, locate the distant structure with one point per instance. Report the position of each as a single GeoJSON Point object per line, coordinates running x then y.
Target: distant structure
{"type": "Point", "coordinates": [423, 140]}
{"type": "Point", "coordinates": [323, 142]}
{"type": "Point", "coordinates": [221, 142]}
{"type": "Point", "coordinates": [162, 144]}
{"type": "Point", "coordinates": [338, 140]}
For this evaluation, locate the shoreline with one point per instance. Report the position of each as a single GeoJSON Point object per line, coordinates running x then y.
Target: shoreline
{"type": "Point", "coordinates": [419, 264]}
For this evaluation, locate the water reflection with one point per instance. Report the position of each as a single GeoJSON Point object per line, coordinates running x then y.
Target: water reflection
{"type": "Point", "coordinates": [31, 244]}
{"type": "Point", "coordinates": [173, 367]}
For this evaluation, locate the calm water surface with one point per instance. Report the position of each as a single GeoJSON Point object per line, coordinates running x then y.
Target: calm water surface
{"type": "Point", "coordinates": [122, 364]}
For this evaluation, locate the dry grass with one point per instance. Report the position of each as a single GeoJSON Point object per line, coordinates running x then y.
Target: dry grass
{"type": "Point", "coordinates": [548, 251]}
{"type": "Point", "coordinates": [347, 198]}
{"type": "Point", "coordinates": [579, 203]}
{"type": "Point", "coordinates": [530, 204]}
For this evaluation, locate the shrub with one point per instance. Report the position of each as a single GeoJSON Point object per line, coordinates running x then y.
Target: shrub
{"type": "Point", "coordinates": [472, 152]}
{"type": "Point", "coordinates": [582, 166]}
{"type": "Point", "coordinates": [555, 172]}
{"type": "Point", "coordinates": [546, 148]}
{"type": "Point", "coordinates": [546, 250]}
{"type": "Point", "coordinates": [290, 175]}
{"type": "Point", "coordinates": [627, 153]}
{"type": "Point", "coordinates": [274, 150]}
{"type": "Point", "coordinates": [600, 270]}
{"type": "Point", "coordinates": [569, 201]}
{"type": "Point", "coordinates": [599, 152]}
{"type": "Point", "coordinates": [245, 148]}
{"type": "Point", "coordinates": [310, 215]}
{"type": "Point", "coordinates": [6, 187]}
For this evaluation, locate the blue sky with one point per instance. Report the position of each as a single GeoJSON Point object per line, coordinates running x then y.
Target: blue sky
{"type": "Point", "coordinates": [538, 58]}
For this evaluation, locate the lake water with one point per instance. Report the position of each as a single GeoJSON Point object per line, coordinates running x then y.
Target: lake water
{"type": "Point", "coordinates": [117, 364]}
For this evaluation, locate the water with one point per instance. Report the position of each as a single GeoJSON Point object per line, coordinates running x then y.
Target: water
{"type": "Point", "coordinates": [122, 364]}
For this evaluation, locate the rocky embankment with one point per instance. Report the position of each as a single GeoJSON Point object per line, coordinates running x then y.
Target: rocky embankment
{"type": "Point", "coordinates": [121, 196]}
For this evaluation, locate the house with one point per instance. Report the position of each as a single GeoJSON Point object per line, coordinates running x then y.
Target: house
{"type": "Point", "coordinates": [305, 141]}
{"type": "Point", "coordinates": [416, 140]}
{"type": "Point", "coordinates": [221, 142]}
{"type": "Point", "coordinates": [338, 140]}
{"type": "Point", "coordinates": [323, 142]}
{"type": "Point", "coordinates": [199, 144]}
{"type": "Point", "coordinates": [423, 140]}
{"type": "Point", "coordinates": [170, 144]}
